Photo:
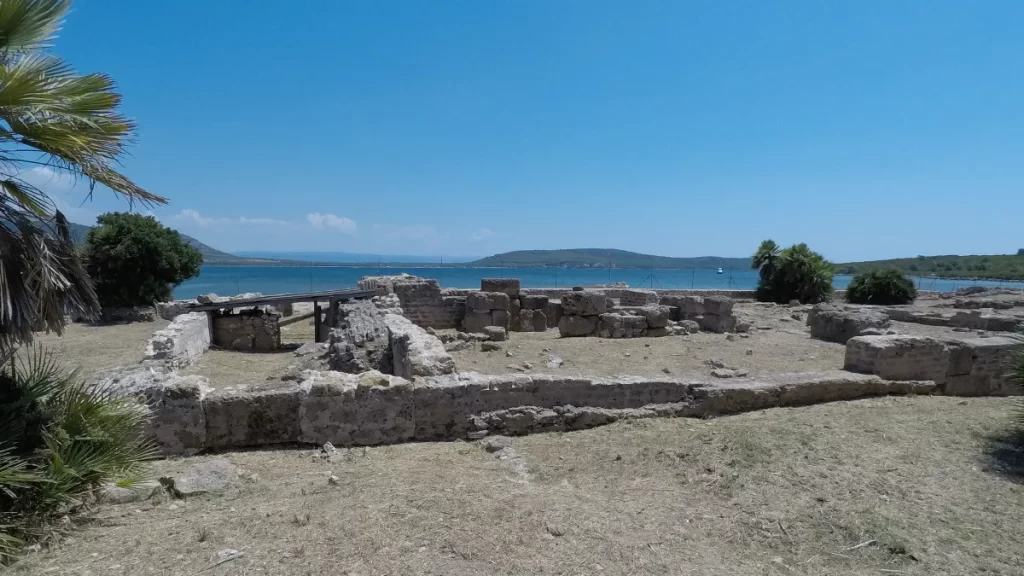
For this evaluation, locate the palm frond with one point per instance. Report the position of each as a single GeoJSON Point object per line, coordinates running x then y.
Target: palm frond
{"type": "Point", "coordinates": [29, 24]}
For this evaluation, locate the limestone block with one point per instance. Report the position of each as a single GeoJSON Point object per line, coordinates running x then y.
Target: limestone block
{"type": "Point", "coordinates": [508, 286]}
{"type": "Point", "coordinates": [171, 310]}
{"type": "Point", "coordinates": [525, 321]}
{"type": "Point", "coordinates": [982, 367]}
{"type": "Point", "coordinates": [181, 342]}
{"type": "Point", "coordinates": [718, 324]}
{"type": "Point", "coordinates": [514, 309]}
{"type": "Point", "coordinates": [617, 325]}
{"type": "Point", "coordinates": [554, 312]}
{"type": "Point", "coordinates": [346, 409]}
{"type": "Point", "coordinates": [690, 307]}
{"type": "Point", "coordinates": [531, 302]}
{"type": "Point", "coordinates": [243, 417]}
{"type": "Point", "coordinates": [689, 326]}
{"type": "Point", "coordinates": [361, 342]}
{"type": "Point", "coordinates": [495, 333]}
{"type": "Point", "coordinates": [898, 357]}
{"type": "Point", "coordinates": [500, 318]}
{"type": "Point", "coordinates": [833, 324]}
{"type": "Point", "coordinates": [416, 352]}
{"type": "Point", "coordinates": [247, 330]}
{"type": "Point", "coordinates": [637, 297]}
{"type": "Point", "coordinates": [540, 321]}
{"type": "Point", "coordinates": [569, 326]}
{"type": "Point", "coordinates": [487, 301]}
{"type": "Point", "coordinates": [476, 321]}
{"type": "Point", "coordinates": [657, 316]}
{"type": "Point", "coordinates": [583, 303]}
{"type": "Point", "coordinates": [720, 305]}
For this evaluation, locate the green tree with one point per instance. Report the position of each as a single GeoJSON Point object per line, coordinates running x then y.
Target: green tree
{"type": "Point", "coordinates": [795, 273]}
{"type": "Point", "coordinates": [135, 260]}
{"type": "Point", "coordinates": [888, 286]}
{"type": "Point", "coordinates": [50, 118]}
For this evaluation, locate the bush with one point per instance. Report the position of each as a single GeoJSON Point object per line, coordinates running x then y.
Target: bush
{"type": "Point", "coordinates": [888, 286]}
{"type": "Point", "coordinates": [796, 273]}
{"type": "Point", "coordinates": [134, 260]}
{"type": "Point", "coordinates": [60, 439]}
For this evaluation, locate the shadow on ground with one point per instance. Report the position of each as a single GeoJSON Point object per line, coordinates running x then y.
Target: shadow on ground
{"type": "Point", "coordinates": [1006, 449]}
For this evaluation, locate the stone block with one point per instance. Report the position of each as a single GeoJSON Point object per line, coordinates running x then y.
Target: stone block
{"type": "Point", "coordinates": [689, 326]}
{"type": "Point", "coordinates": [500, 318]}
{"type": "Point", "coordinates": [657, 316]}
{"type": "Point", "coordinates": [525, 321]}
{"type": "Point", "coordinates": [540, 321]}
{"type": "Point", "coordinates": [514, 309]}
{"type": "Point", "coordinates": [833, 324]}
{"type": "Point", "coordinates": [583, 303]}
{"type": "Point", "coordinates": [181, 342]}
{"type": "Point", "coordinates": [690, 307]}
{"type": "Point", "coordinates": [495, 333]}
{"type": "Point", "coordinates": [346, 409]}
{"type": "Point", "coordinates": [719, 305]}
{"type": "Point", "coordinates": [531, 302]}
{"type": "Point", "coordinates": [898, 357]}
{"type": "Point", "coordinates": [637, 297]}
{"type": "Point", "coordinates": [554, 312]}
{"type": "Point", "coordinates": [509, 286]}
{"type": "Point", "coordinates": [414, 351]}
{"type": "Point", "coordinates": [243, 417]}
{"type": "Point", "coordinates": [361, 341]}
{"type": "Point", "coordinates": [615, 325]}
{"type": "Point", "coordinates": [982, 367]}
{"type": "Point", "coordinates": [487, 301]}
{"type": "Point", "coordinates": [571, 326]}
{"type": "Point", "coordinates": [247, 331]}
{"type": "Point", "coordinates": [476, 321]}
{"type": "Point", "coordinates": [717, 324]}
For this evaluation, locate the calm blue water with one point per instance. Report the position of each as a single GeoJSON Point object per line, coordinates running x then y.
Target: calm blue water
{"type": "Point", "coordinates": [227, 280]}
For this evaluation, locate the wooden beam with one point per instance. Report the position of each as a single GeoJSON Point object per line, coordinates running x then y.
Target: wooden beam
{"type": "Point", "coordinates": [317, 336]}
{"type": "Point", "coordinates": [294, 319]}
{"type": "Point", "coordinates": [283, 299]}
{"type": "Point", "coordinates": [332, 313]}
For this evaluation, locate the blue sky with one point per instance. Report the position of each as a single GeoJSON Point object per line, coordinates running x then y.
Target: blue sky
{"type": "Point", "coordinates": [866, 129]}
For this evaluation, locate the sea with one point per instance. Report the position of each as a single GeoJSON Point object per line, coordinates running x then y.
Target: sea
{"type": "Point", "coordinates": [229, 280]}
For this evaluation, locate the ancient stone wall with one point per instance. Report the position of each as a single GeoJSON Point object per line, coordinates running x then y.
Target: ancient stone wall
{"type": "Point", "coordinates": [247, 330]}
{"type": "Point", "coordinates": [960, 367]}
{"type": "Point", "coordinates": [181, 342]}
{"type": "Point", "coordinates": [423, 304]}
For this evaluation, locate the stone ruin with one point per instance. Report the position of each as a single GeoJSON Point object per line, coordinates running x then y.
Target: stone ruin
{"type": "Point", "coordinates": [641, 313]}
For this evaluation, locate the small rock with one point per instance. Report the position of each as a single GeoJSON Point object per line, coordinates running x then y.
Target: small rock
{"type": "Point", "coordinates": [727, 373]}
{"type": "Point", "coordinates": [730, 337]}
{"type": "Point", "coordinates": [554, 529]}
{"type": "Point", "coordinates": [527, 366]}
{"type": "Point", "coordinates": [784, 320]}
{"type": "Point", "coordinates": [796, 316]}
{"type": "Point", "coordinates": [496, 443]}
{"type": "Point", "coordinates": [329, 448]}
{"type": "Point", "coordinates": [555, 362]}
{"type": "Point", "coordinates": [333, 480]}
{"type": "Point", "coordinates": [226, 555]}
{"type": "Point", "coordinates": [201, 478]}
{"type": "Point", "coordinates": [628, 354]}
{"type": "Point", "coordinates": [311, 348]}
{"type": "Point", "coordinates": [172, 507]}
{"type": "Point", "coordinates": [477, 434]}
{"type": "Point", "coordinates": [489, 347]}
{"type": "Point", "coordinates": [666, 370]}
{"type": "Point", "coordinates": [462, 336]}
{"type": "Point", "coordinates": [515, 367]}
{"type": "Point", "coordinates": [715, 363]}
{"type": "Point", "coordinates": [750, 351]}
{"type": "Point", "coordinates": [744, 335]}
{"type": "Point", "coordinates": [508, 353]}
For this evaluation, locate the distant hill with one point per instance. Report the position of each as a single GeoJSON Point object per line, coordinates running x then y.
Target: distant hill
{"type": "Point", "coordinates": [996, 266]}
{"type": "Point", "coordinates": [211, 256]}
{"type": "Point", "coordinates": [354, 257]}
{"type": "Point", "coordinates": [603, 258]}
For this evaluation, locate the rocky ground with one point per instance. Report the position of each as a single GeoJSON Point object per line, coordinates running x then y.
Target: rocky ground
{"type": "Point", "coordinates": [887, 486]}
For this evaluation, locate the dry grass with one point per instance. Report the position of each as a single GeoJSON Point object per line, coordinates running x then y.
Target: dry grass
{"type": "Point", "coordinates": [784, 491]}
{"type": "Point", "coordinates": [97, 348]}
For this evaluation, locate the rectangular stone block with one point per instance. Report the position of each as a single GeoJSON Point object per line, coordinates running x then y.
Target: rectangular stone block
{"type": "Point", "coordinates": [350, 410]}
{"type": "Point", "coordinates": [487, 301]}
{"type": "Point", "coordinates": [584, 303]}
{"type": "Point", "coordinates": [500, 318]}
{"type": "Point", "coordinates": [540, 321]}
{"type": "Point", "coordinates": [691, 307]}
{"type": "Point", "coordinates": [982, 367]}
{"type": "Point", "coordinates": [514, 308]}
{"type": "Point", "coordinates": [717, 324]}
{"type": "Point", "coordinates": [525, 321]}
{"type": "Point", "coordinates": [508, 286]}
{"type": "Point", "coordinates": [637, 297]}
{"type": "Point", "coordinates": [237, 418]}
{"type": "Point", "coordinates": [476, 321]}
{"type": "Point", "coordinates": [553, 311]}
{"type": "Point", "coordinates": [898, 357]}
{"type": "Point", "coordinates": [720, 305]}
{"type": "Point", "coordinates": [569, 326]}
{"type": "Point", "coordinates": [247, 331]}
{"type": "Point", "coordinates": [533, 302]}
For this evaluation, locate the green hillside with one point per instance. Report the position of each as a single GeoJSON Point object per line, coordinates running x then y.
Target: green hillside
{"type": "Point", "coordinates": [997, 266]}
{"type": "Point", "coordinates": [603, 258]}
{"type": "Point", "coordinates": [210, 255]}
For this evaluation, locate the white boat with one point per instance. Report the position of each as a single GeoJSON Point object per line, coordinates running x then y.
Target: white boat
{"type": "Point", "coordinates": [719, 270]}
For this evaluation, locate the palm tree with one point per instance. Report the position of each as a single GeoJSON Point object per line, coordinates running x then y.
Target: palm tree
{"type": "Point", "coordinates": [766, 258]}
{"type": "Point", "coordinates": [70, 124]}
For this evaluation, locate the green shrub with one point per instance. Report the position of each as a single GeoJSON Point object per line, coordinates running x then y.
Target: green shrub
{"type": "Point", "coordinates": [888, 286]}
{"type": "Point", "coordinates": [60, 439]}
{"type": "Point", "coordinates": [134, 260]}
{"type": "Point", "coordinates": [795, 273]}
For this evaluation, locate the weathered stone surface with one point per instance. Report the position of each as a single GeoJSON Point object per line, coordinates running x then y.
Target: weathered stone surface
{"type": "Point", "coordinates": [615, 325]}
{"type": "Point", "coordinates": [569, 326]}
{"type": "Point", "coordinates": [985, 320]}
{"type": "Point", "coordinates": [114, 494]}
{"type": "Point", "coordinates": [583, 303]}
{"type": "Point", "coordinates": [509, 286]}
{"type": "Point", "coordinates": [717, 324]}
{"type": "Point", "coordinates": [898, 357]}
{"type": "Point", "coordinates": [495, 333]}
{"type": "Point", "coordinates": [244, 417]}
{"type": "Point", "coordinates": [534, 302]}
{"type": "Point", "coordinates": [247, 331]}
{"type": "Point", "coordinates": [415, 352]}
{"type": "Point", "coordinates": [833, 324]}
{"type": "Point", "coordinates": [525, 320]}
{"type": "Point", "coordinates": [361, 341]}
{"type": "Point", "coordinates": [689, 326]}
{"type": "Point", "coordinates": [487, 301]}
{"type": "Point", "coordinates": [384, 285]}
{"type": "Point", "coordinates": [171, 310]}
{"type": "Point", "coordinates": [181, 342]}
{"type": "Point", "coordinates": [637, 297]}
{"type": "Point", "coordinates": [690, 307]}
{"type": "Point", "coordinates": [553, 311]}
{"type": "Point", "coordinates": [500, 318]}
{"type": "Point", "coordinates": [209, 476]}
{"type": "Point", "coordinates": [514, 313]}
{"type": "Point", "coordinates": [476, 321]}
{"type": "Point", "coordinates": [982, 367]}
{"type": "Point", "coordinates": [540, 321]}
{"type": "Point", "coordinates": [657, 316]}
{"type": "Point", "coordinates": [720, 305]}
{"type": "Point", "coordinates": [345, 409]}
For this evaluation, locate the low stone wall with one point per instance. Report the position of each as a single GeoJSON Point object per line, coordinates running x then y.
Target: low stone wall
{"type": "Point", "coordinates": [423, 304]}
{"type": "Point", "coordinates": [373, 408]}
{"type": "Point", "coordinates": [247, 331]}
{"type": "Point", "coordinates": [960, 367]}
{"type": "Point", "coordinates": [588, 313]}
{"type": "Point", "coordinates": [181, 342]}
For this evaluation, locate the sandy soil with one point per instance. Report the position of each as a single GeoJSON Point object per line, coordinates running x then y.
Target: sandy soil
{"type": "Point", "coordinates": [891, 486]}
{"type": "Point", "coordinates": [97, 348]}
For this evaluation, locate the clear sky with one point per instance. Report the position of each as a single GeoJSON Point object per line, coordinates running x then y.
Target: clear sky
{"type": "Point", "coordinates": [867, 129]}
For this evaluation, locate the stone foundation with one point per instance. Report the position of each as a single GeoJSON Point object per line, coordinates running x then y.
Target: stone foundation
{"type": "Point", "coordinates": [247, 331]}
